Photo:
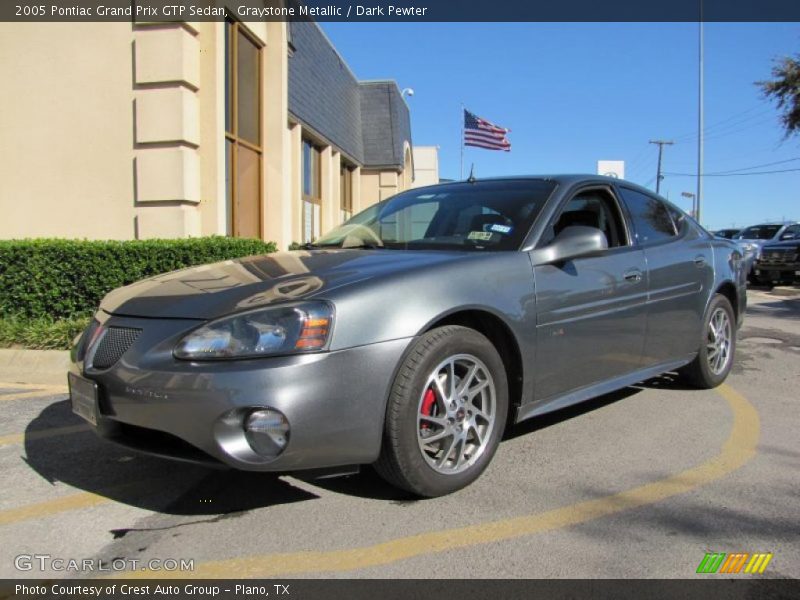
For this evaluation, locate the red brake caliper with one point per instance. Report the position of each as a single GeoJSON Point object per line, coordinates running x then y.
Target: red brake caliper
{"type": "Point", "coordinates": [428, 400]}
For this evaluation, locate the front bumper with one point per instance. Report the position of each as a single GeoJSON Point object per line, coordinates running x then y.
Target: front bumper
{"type": "Point", "coordinates": [777, 272]}
{"type": "Point", "coordinates": [335, 402]}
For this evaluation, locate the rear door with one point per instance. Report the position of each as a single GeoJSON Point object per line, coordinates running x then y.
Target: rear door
{"type": "Point", "coordinates": [680, 267]}
{"type": "Point", "coordinates": [590, 311]}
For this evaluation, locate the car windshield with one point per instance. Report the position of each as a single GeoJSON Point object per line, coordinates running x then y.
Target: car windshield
{"type": "Point", "coordinates": [759, 232]}
{"type": "Point", "coordinates": [484, 215]}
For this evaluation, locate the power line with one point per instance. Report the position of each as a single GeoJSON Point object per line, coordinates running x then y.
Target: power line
{"type": "Point", "coordinates": [728, 122]}
{"type": "Point", "coordinates": [730, 174]}
{"type": "Point", "coordinates": [644, 167]}
{"type": "Point", "coordinates": [779, 162]}
{"type": "Point", "coordinates": [721, 134]}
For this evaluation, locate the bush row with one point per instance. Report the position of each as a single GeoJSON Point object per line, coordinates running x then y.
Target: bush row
{"type": "Point", "coordinates": [41, 334]}
{"type": "Point", "coordinates": [66, 279]}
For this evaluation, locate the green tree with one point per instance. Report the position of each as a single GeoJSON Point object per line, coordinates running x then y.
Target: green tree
{"type": "Point", "coordinates": [784, 88]}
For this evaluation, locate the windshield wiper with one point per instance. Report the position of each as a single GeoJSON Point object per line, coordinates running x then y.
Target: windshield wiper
{"type": "Point", "coordinates": [359, 246]}
{"type": "Point", "coordinates": [363, 246]}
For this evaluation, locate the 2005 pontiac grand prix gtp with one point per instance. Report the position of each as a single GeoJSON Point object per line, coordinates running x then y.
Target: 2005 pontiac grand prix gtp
{"type": "Point", "coordinates": [410, 336]}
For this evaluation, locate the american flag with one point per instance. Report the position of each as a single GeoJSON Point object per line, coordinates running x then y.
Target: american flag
{"type": "Point", "coordinates": [483, 134]}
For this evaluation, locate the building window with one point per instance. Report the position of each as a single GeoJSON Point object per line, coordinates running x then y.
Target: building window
{"type": "Point", "coordinates": [346, 193]}
{"type": "Point", "coordinates": [311, 192]}
{"type": "Point", "coordinates": [243, 149]}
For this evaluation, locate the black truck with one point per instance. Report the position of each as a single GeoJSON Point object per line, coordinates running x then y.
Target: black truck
{"type": "Point", "coordinates": [779, 264]}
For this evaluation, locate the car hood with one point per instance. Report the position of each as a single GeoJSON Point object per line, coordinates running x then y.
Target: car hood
{"type": "Point", "coordinates": [211, 291]}
{"type": "Point", "coordinates": [779, 245]}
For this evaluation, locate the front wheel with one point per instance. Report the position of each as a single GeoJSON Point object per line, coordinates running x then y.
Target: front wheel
{"type": "Point", "coordinates": [717, 346]}
{"type": "Point", "coordinates": [446, 413]}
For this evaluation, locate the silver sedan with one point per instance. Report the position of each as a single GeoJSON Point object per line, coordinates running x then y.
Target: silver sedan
{"type": "Point", "coordinates": [409, 337]}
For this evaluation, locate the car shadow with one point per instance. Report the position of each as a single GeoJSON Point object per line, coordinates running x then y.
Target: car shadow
{"type": "Point", "coordinates": [86, 462]}
{"type": "Point", "coordinates": [780, 308]}
{"type": "Point", "coordinates": [369, 484]}
{"type": "Point", "coordinates": [81, 460]}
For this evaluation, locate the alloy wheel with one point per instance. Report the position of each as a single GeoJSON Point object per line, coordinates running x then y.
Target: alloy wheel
{"type": "Point", "coordinates": [718, 341]}
{"type": "Point", "coordinates": [456, 414]}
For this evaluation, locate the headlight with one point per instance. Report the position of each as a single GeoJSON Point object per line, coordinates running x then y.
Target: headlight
{"type": "Point", "coordinates": [303, 327]}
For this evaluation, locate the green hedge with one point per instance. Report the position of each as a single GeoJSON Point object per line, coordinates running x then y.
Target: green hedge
{"type": "Point", "coordinates": [66, 279]}
{"type": "Point", "coordinates": [41, 334]}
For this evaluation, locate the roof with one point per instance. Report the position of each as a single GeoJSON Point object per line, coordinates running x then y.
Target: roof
{"type": "Point", "coordinates": [386, 124]}
{"type": "Point", "coordinates": [369, 121]}
{"type": "Point", "coordinates": [564, 179]}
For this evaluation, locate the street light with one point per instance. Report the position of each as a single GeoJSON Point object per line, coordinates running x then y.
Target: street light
{"type": "Point", "coordinates": [693, 197]}
{"type": "Point", "coordinates": [405, 91]}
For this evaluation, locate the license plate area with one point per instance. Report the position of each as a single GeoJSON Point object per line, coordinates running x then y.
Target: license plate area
{"type": "Point", "coordinates": [83, 396]}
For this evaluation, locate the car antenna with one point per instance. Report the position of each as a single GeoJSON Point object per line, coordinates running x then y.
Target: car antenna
{"type": "Point", "coordinates": [471, 178]}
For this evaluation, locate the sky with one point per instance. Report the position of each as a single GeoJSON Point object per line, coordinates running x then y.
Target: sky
{"type": "Point", "coordinates": [576, 93]}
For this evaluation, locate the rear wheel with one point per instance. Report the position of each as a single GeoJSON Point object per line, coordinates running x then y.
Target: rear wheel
{"type": "Point", "coordinates": [446, 413]}
{"type": "Point", "coordinates": [717, 346]}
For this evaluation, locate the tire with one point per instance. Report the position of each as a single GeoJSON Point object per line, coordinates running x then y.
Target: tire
{"type": "Point", "coordinates": [465, 433]}
{"type": "Point", "coordinates": [710, 368]}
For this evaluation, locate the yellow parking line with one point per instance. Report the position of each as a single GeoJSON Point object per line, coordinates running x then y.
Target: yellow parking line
{"type": "Point", "coordinates": [40, 393]}
{"type": "Point", "coordinates": [34, 386]}
{"type": "Point", "coordinates": [51, 507]}
{"type": "Point", "coordinates": [72, 502]}
{"type": "Point", "coordinates": [41, 434]}
{"type": "Point", "coordinates": [737, 450]}
{"type": "Point", "coordinates": [30, 390]}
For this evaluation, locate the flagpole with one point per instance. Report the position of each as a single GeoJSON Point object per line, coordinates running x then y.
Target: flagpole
{"type": "Point", "coordinates": [461, 142]}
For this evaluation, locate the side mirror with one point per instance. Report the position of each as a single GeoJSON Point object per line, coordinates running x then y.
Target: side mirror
{"type": "Point", "coordinates": [572, 242]}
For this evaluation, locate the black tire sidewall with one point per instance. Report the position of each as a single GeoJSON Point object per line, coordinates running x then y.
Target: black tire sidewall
{"type": "Point", "coordinates": [460, 340]}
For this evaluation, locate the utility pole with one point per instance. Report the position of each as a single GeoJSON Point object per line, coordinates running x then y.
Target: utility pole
{"type": "Point", "coordinates": [661, 144]}
{"type": "Point", "coordinates": [700, 118]}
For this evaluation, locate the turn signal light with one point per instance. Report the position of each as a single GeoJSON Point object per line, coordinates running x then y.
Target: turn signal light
{"type": "Point", "coordinates": [313, 334]}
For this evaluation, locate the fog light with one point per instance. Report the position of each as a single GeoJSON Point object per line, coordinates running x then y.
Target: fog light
{"type": "Point", "coordinates": [267, 432]}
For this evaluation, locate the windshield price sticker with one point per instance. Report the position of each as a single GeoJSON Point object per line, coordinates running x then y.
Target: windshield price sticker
{"type": "Point", "coordinates": [498, 228]}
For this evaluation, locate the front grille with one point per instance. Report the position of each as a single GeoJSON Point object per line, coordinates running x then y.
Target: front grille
{"type": "Point", "coordinates": [114, 344]}
{"type": "Point", "coordinates": [780, 256]}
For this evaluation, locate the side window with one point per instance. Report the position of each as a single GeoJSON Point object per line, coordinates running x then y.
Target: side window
{"type": "Point", "coordinates": [791, 233]}
{"type": "Point", "coordinates": [678, 218]}
{"type": "Point", "coordinates": [593, 208]}
{"type": "Point", "coordinates": [650, 217]}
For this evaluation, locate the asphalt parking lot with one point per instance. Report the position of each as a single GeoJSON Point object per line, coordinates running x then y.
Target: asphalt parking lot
{"type": "Point", "coordinates": [639, 483]}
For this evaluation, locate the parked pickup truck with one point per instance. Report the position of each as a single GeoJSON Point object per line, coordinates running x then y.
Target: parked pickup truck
{"type": "Point", "coordinates": [779, 263]}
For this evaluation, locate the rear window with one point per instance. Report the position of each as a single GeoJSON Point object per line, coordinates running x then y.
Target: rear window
{"type": "Point", "coordinates": [651, 219]}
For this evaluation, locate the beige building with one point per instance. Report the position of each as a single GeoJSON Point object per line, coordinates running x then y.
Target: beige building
{"type": "Point", "coordinates": [426, 165]}
{"type": "Point", "coordinates": [125, 131]}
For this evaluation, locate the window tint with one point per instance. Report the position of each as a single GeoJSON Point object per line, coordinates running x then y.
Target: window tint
{"type": "Point", "coordinates": [485, 215]}
{"type": "Point", "coordinates": [759, 232]}
{"type": "Point", "coordinates": [790, 233]}
{"type": "Point", "coordinates": [311, 192]}
{"type": "Point", "coordinates": [594, 208]}
{"type": "Point", "coordinates": [678, 218]}
{"type": "Point", "coordinates": [243, 151]}
{"type": "Point", "coordinates": [651, 220]}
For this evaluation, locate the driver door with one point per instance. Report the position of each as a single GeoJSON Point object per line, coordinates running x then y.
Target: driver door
{"type": "Point", "coordinates": [590, 311]}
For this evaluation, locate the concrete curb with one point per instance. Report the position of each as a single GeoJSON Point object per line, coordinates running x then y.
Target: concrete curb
{"type": "Point", "coordinates": [34, 366]}
{"type": "Point", "coordinates": [785, 291]}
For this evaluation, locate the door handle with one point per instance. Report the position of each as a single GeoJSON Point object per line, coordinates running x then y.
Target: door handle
{"type": "Point", "coordinates": [699, 261]}
{"type": "Point", "coordinates": [634, 276]}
